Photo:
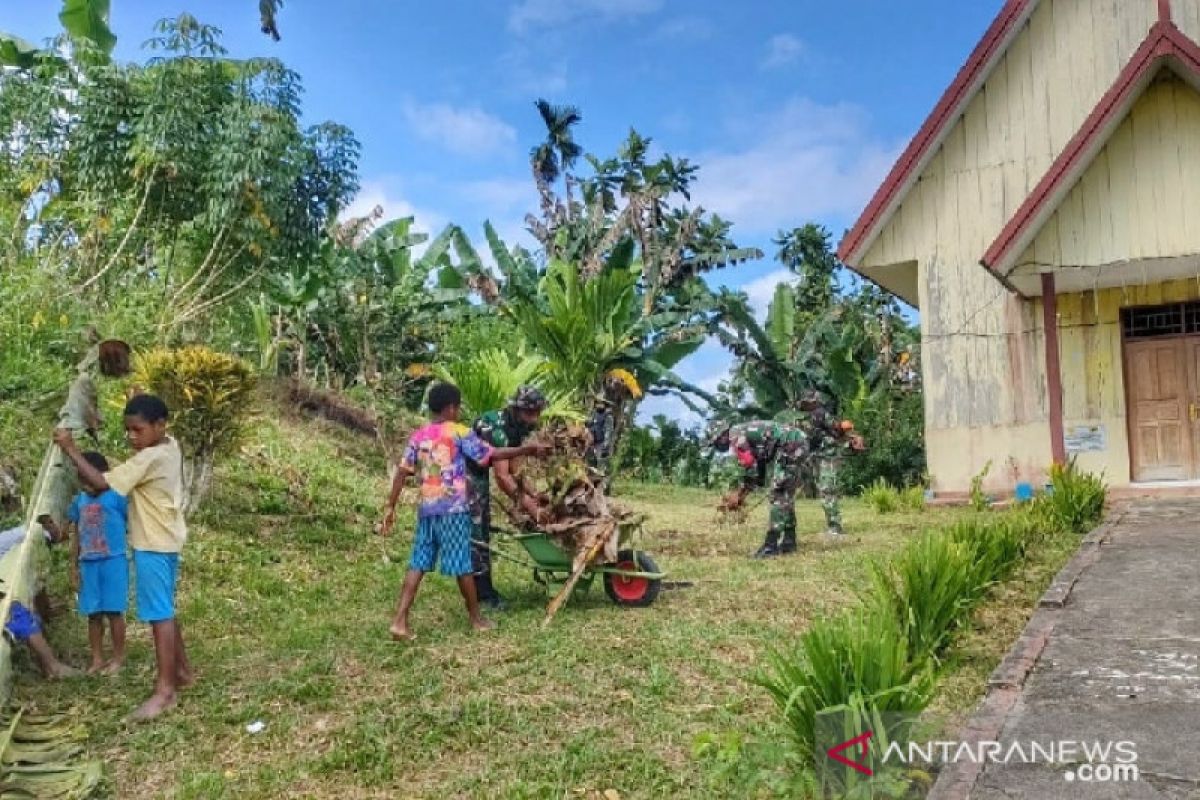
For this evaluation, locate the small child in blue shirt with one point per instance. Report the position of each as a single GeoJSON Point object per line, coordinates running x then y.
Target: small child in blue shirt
{"type": "Point", "coordinates": [100, 568]}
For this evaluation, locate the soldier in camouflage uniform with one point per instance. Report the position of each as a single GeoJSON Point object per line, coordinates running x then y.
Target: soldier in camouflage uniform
{"type": "Point", "coordinates": [774, 450]}
{"type": "Point", "coordinates": [601, 424]}
{"type": "Point", "coordinates": [829, 439]}
{"type": "Point", "coordinates": [508, 427]}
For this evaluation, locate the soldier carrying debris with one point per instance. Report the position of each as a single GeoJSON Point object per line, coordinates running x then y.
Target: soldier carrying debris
{"type": "Point", "coordinates": [509, 427]}
{"type": "Point", "coordinates": [760, 446]}
{"type": "Point", "coordinates": [829, 439]}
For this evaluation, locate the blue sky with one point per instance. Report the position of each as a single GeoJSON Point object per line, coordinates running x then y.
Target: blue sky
{"type": "Point", "coordinates": [794, 109]}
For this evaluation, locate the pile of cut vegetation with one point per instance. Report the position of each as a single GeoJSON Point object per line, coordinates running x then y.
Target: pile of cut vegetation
{"type": "Point", "coordinates": [576, 512]}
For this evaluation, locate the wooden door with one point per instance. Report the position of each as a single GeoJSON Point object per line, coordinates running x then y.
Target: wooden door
{"type": "Point", "coordinates": [1192, 349]}
{"type": "Point", "coordinates": [1159, 396]}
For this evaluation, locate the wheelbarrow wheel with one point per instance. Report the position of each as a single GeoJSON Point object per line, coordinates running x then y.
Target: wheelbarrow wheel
{"type": "Point", "coordinates": [632, 590]}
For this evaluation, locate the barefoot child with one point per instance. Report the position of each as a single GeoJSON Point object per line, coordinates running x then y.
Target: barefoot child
{"type": "Point", "coordinates": [99, 567]}
{"type": "Point", "coordinates": [152, 482]}
{"type": "Point", "coordinates": [437, 454]}
{"type": "Point", "coordinates": [24, 625]}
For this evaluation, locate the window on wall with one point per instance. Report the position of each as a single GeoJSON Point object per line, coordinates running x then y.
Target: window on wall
{"type": "Point", "coordinates": [1173, 320]}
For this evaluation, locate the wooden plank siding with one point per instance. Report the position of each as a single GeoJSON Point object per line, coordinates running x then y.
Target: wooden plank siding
{"type": "Point", "coordinates": [1140, 195]}
{"type": "Point", "coordinates": [983, 356]}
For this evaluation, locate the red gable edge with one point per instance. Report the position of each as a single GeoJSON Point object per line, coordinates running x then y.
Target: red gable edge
{"type": "Point", "coordinates": [1164, 41]}
{"type": "Point", "coordinates": [942, 116]}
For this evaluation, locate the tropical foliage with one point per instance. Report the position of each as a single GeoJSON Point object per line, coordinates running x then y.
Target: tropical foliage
{"type": "Point", "coordinates": [852, 344]}
{"type": "Point", "coordinates": [209, 395]}
{"type": "Point", "coordinates": [488, 378]}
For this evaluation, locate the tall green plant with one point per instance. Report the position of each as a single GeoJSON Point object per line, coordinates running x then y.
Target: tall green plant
{"type": "Point", "coordinates": [927, 589]}
{"type": "Point", "coordinates": [488, 380]}
{"type": "Point", "coordinates": [860, 659]}
{"type": "Point", "coordinates": [1075, 500]}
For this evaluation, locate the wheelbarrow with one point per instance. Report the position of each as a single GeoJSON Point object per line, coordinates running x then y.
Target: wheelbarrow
{"type": "Point", "coordinates": [633, 580]}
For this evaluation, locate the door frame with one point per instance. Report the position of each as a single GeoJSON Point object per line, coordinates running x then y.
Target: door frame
{"type": "Point", "coordinates": [1190, 380]}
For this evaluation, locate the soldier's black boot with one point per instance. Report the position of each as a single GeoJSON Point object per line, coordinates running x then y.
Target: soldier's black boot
{"type": "Point", "coordinates": [487, 594]}
{"type": "Point", "coordinates": [788, 544]}
{"type": "Point", "coordinates": [769, 549]}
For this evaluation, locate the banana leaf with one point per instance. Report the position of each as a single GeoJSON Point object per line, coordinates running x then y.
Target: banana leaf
{"type": "Point", "coordinates": [16, 52]}
{"type": "Point", "coordinates": [88, 19]}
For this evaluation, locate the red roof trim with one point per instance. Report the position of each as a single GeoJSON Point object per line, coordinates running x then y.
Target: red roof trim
{"type": "Point", "coordinates": [1164, 41]}
{"type": "Point", "coordinates": [943, 115]}
{"type": "Point", "coordinates": [1164, 10]}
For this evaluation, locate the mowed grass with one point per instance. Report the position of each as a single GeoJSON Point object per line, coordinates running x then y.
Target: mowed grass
{"type": "Point", "coordinates": [286, 596]}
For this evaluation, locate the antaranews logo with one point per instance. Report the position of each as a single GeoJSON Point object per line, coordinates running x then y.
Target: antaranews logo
{"type": "Point", "coordinates": [860, 743]}
{"type": "Point", "coordinates": [878, 749]}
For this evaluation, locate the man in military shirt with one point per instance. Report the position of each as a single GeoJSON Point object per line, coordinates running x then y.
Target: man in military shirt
{"type": "Point", "coordinates": [601, 424]}
{"type": "Point", "coordinates": [767, 450]}
{"type": "Point", "coordinates": [829, 440]}
{"type": "Point", "coordinates": [508, 427]}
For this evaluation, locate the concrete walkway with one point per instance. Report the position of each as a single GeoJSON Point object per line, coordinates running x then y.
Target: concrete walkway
{"type": "Point", "coordinates": [1113, 653]}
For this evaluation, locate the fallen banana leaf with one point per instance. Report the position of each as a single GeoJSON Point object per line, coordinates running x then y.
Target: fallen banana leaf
{"type": "Point", "coordinates": [20, 753]}
{"type": "Point", "coordinates": [40, 754]}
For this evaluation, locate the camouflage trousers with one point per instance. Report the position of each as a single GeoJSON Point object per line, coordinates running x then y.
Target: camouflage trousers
{"type": "Point", "coordinates": [827, 486]}
{"type": "Point", "coordinates": [480, 504]}
{"type": "Point", "coordinates": [781, 520]}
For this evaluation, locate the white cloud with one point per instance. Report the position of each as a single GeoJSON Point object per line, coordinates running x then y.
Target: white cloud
{"type": "Point", "coordinates": [530, 71]}
{"type": "Point", "coordinates": [469, 131]}
{"type": "Point", "coordinates": [501, 196]}
{"type": "Point", "coordinates": [761, 290]}
{"type": "Point", "coordinates": [804, 162]}
{"type": "Point", "coordinates": [530, 14]}
{"type": "Point", "coordinates": [380, 193]}
{"type": "Point", "coordinates": [782, 49]}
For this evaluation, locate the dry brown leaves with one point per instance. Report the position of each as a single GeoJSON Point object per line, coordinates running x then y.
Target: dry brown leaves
{"type": "Point", "coordinates": [577, 514]}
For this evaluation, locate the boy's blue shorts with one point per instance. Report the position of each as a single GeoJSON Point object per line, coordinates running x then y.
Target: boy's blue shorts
{"type": "Point", "coordinates": [22, 623]}
{"type": "Point", "coordinates": [445, 538]}
{"type": "Point", "coordinates": [104, 585]}
{"type": "Point", "coordinates": [156, 576]}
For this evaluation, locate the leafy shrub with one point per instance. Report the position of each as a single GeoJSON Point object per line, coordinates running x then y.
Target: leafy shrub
{"type": "Point", "coordinates": [488, 379]}
{"type": "Point", "coordinates": [913, 498]}
{"type": "Point", "coordinates": [882, 497]}
{"type": "Point", "coordinates": [208, 394]}
{"type": "Point", "coordinates": [927, 589]}
{"type": "Point", "coordinates": [860, 659]}
{"type": "Point", "coordinates": [979, 499]}
{"type": "Point", "coordinates": [995, 546]}
{"type": "Point", "coordinates": [1076, 500]}
{"type": "Point", "coordinates": [893, 424]}
{"type": "Point", "coordinates": [933, 583]}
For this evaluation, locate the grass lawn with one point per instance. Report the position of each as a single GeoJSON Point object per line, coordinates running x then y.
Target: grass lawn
{"type": "Point", "coordinates": [285, 599]}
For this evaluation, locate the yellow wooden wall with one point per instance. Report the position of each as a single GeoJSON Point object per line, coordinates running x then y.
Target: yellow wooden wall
{"type": "Point", "coordinates": [1141, 194]}
{"type": "Point", "coordinates": [983, 354]}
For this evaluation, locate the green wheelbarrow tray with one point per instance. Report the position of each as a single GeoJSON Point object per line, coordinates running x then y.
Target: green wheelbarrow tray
{"type": "Point", "coordinates": [632, 580]}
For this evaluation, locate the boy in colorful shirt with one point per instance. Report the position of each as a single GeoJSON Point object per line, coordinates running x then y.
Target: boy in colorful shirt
{"type": "Point", "coordinates": [437, 454]}
{"type": "Point", "coordinates": [152, 480]}
{"type": "Point", "coordinates": [99, 568]}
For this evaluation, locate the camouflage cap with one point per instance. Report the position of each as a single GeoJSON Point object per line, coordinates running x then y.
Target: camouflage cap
{"type": "Point", "coordinates": [813, 397]}
{"type": "Point", "coordinates": [715, 430]}
{"type": "Point", "coordinates": [529, 398]}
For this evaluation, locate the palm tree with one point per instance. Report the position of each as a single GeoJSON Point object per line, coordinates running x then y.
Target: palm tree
{"type": "Point", "coordinates": [558, 153]}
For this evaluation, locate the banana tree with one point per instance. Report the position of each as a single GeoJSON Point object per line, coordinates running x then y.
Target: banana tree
{"type": "Point", "coordinates": [777, 363]}
{"type": "Point", "coordinates": [82, 20]}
